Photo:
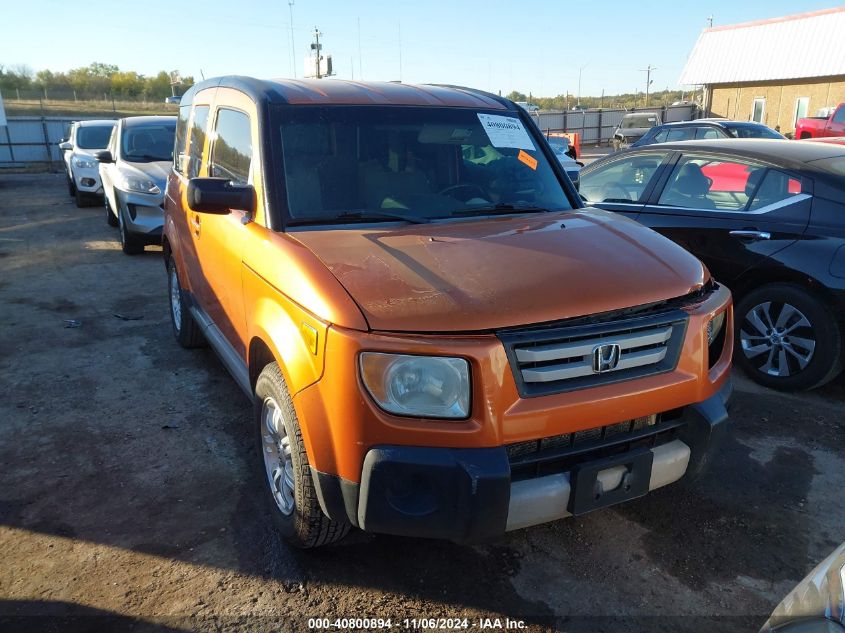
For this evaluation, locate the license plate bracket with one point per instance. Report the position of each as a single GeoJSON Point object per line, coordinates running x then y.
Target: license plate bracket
{"type": "Point", "coordinates": [587, 490]}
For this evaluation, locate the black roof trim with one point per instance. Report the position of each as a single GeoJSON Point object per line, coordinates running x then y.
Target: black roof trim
{"type": "Point", "coordinates": [510, 105]}
{"type": "Point", "coordinates": [258, 90]}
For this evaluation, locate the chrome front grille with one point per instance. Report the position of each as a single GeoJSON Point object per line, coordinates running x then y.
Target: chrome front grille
{"type": "Point", "coordinates": [552, 360]}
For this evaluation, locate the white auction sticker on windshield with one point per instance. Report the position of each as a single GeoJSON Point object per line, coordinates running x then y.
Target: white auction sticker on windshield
{"type": "Point", "coordinates": [506, 131]}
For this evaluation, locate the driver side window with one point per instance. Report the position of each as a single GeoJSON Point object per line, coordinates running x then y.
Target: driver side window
{"type": "Point", "coordinates": [623, 180]}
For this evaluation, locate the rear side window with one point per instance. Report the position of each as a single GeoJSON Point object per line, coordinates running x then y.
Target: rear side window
{"type": "Point", "coordinates": [661, 136]}
{"type": "Point", "coordinates": [622, 180]}
{"type": "Point", "coordinates": [231, 156]}
{"type": "Point", "coordinates": [699, 182]}
{"type": "Point", "coordinates": [197, 142]}
{"type": "Point", "coordinates": [707, 132]}
{"type": "Point", "coordinates": [681, 134]}
{"type": "Point", "coordinates": [839, 116]}
{"type": "Point", "coordinates": [774, 187]}
{"type": "Point", "coordinates": [179, 154]}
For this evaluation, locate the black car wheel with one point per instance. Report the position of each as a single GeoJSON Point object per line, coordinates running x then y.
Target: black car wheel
{"type": "Point", "coordinates": [129, 243]}
{"type": "Point", "coordinates": [111, 218]}
{"type": "Point", "coordinates": [786, 338]}
{"type": "Point", "coordinates": [71, 188]}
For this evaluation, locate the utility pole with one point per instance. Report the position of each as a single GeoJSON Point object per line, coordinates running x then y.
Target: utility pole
{"type": "Point", "coordinates": [710, 20]}
{"type": "Point", "coordinates": [648, 80]}
{"type": "Point", "coordinates": [580, 70]}
{"type": "Point", "coordinates": [360, 65]}
{"type": "Point", "coordinates": [315, 46]}
{"type": "Point", "coordinates": [292, 45]}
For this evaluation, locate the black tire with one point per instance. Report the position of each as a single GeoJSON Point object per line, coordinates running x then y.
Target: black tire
{"type": "Point", "coordinates": [111, 218]}
{"type": "Point", "coordinates": [129, 243]}
{"type": "Point", "coordinates": [305, 526]}
{"type": "Point", "coordinates": [82, 199]}
{"type": "Point", "coordinates": [766, 338]}
{"type": "Point", "coordinates": [71, 188]}
{"type": "Point", "coordinates": [185, 328]}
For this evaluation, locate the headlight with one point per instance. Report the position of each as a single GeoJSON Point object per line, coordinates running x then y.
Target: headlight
{"type": "Point", "coordinates": [419, 386]}
{"type": "Point", "coordinates": [714, 326]}
{"type": "Point", "coordinates": [141, 185]}
{"type": "Point", "coordinates": [84, 163]}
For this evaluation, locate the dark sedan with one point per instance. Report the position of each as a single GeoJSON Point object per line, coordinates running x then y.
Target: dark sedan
{"type": "Point", "coordinates": [767, 217]}
{"type": "Point", "coordinates": [706, 129]}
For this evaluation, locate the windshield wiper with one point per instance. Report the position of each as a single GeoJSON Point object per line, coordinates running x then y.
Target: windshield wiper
{"type": "Point", "coordinates": [364, 216]}
{"type": "Point", "coordinates": [501, 208]}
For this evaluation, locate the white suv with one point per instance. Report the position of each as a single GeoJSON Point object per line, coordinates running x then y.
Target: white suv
{"type": "Point", "coordinates": [82, 169]}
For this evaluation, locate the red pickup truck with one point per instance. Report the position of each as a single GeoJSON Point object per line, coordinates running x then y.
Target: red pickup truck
{"type": "Point", "coordinates": [816, 126]}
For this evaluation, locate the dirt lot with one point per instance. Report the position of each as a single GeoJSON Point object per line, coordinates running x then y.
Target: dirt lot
{"type": "Point", "coordinates": [128, 499]}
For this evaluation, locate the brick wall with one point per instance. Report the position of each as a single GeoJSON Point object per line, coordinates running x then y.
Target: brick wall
{"type": "Point", "coordinates": [735, 101]}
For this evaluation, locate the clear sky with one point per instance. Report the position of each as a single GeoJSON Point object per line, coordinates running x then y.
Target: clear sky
{"type": "Point", "coordinates": [535, 47]}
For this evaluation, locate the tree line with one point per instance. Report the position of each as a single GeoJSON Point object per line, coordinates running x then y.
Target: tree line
{"type": "Point", "coordinates": [85, 82]}
{"type": "Point", "coordinates": [627, 101]}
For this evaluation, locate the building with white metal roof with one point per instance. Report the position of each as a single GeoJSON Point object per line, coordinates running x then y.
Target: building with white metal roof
{"type": "Point", "coordinates": [773, 71]}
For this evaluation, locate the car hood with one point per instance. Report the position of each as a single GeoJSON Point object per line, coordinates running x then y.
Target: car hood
{"type": "Point", "coordinates": [490, 273]}
{"type": "Point", "coordinates": [157, 171]}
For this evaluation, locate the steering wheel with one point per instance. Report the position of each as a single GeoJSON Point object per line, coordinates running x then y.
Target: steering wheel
{"type": "Point", "coordinates": [464, 186]}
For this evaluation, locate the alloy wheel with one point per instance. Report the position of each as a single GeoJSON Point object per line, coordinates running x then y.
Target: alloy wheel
{"type": "Point", "coordinates": [278, 463]}
{"type": "Point", "coordinates": [175, 298]}
{"type": "Point", "coordinates": [777, 339]}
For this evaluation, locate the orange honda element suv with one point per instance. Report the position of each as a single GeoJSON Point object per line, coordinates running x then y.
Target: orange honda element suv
{"type": "Point", "coordinates": [438, 338]}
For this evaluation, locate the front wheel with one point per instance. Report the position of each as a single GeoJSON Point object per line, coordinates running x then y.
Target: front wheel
{"type": "Point", "coordinates": [111, 218]}
{"type": "Point", "coordinates": [71, 187]}
{"type": "Point", "coordinates": [787, 338]}
{"type": "Point", "coordinates": [283, 465]}
{"type": "Point", "coordinates": [129, 243]}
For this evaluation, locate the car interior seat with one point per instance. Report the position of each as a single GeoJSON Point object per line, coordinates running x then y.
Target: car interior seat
{"type": "Point", "coordinates": [689, 189]}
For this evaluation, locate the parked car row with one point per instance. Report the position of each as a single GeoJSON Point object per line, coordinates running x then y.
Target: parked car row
{"type": "Point", "coordinates": [437, 337]}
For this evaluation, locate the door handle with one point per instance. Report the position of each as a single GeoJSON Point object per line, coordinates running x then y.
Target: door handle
{"type": "Point", "coordinates": [195, 222]}
{"type": "Point", "coordinates": [749, 234]}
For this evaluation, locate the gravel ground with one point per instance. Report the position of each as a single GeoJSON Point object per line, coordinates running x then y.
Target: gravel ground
{"type": "Point", "coordinates": [128, 497]}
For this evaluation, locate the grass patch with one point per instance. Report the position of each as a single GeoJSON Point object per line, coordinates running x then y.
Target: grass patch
{"type": "Point", "coordinates": [108, 109]}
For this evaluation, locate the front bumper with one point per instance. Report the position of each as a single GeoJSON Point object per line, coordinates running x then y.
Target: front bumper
{"type": "Point", "coordinates": [87, 180]}
{"type": "Point", "coordinates": [468, 495]}
{"type": "Point", "coordinates": [143, 213]}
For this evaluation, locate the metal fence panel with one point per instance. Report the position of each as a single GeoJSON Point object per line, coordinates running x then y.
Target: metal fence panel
{"type": "Point", "coordinates": [597, 126]}
{"type": "Point", "coordinates": [33, 140]}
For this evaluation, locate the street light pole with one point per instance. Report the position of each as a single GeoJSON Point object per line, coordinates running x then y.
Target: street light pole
{"type": "Point", "coordinates": [292, 46]}
{"type": "Point", "coordinates": [580, 70]}
{"type": "Point", "coordinates": [648, 72]}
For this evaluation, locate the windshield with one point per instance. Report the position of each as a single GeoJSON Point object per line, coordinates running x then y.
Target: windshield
{"type": "Point", "coordinates": [753, 131]}
{"type": "Point", "coordinates": [420, 162]}
{"type": "Point", "coordinates": [148, 142]}
{"type": "Point", "coordinates": [93, 136]}
{"type": "Point", "coordinates": [638, 120]}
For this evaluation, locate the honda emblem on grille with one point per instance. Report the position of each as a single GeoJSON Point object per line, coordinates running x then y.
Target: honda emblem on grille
{"type": "Point", "coordinates": [606, 357]}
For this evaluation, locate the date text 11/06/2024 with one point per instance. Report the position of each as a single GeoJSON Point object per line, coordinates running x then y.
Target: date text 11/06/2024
{"type": "Point", "coordinates": [430, 624]}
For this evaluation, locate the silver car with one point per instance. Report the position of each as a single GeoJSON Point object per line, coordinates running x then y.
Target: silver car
{"type": "Point", "coordinates": [134, 171]}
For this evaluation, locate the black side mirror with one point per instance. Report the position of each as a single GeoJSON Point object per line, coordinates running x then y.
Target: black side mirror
{"type": "Point", "coordinates": [65, 146]}
{"type": "Point", "coordinates": [104, 156]}
{"type": "Point", "coordinates": [219, 196]}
